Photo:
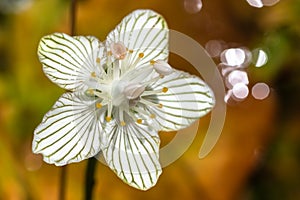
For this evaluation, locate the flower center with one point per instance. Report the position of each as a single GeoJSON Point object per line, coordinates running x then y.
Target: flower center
{"type": "Point", "coordinates": [122, 83]}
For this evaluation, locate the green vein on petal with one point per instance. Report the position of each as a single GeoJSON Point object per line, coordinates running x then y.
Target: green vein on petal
{"type": "Point", "coordinates": [69, 132]}
{"type": "Point", "coordinates": [143, 31]}
{"type": "Point", "coordinates": [69, 61]}
{"type": "Point", "coordinates": [132, 153]}
{"type": "Point", "coordinates": [188, 98]}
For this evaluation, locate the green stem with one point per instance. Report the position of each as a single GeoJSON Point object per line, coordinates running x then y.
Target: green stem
{"type": "Point", "coordinates": [73, 17]}
{"type": "Point", "coordinates": [90, 178]}
{"type": "Point", "coordinates": [62, 192]}
{"type": "Point", "coordinates": [63, 175]}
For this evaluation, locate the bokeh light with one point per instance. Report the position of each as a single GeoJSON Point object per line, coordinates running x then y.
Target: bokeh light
{"type": "Point", "coordinates": [237, 76]}
{"type": "Point", "coordinates": [228, 96]}
{"type": "Point", "coordinates": [255, 3]}
{"type": "Point", "coordinates": [270, 2]}
{"type": "Point", "coordinates": [233, 56]}
{"type": "Point", "coordinates": [260, 57]}
{"type": "Point", "coordinates": [240, 91]}
{"type": "Point", "coordinates": [260, 91]}
{"type": "Point", "coordinates": [14, 6]}
{"type": "Point", "coordinates": [225, 69]}
{"type": "Point", "coordinates": [192, 6]}
{"type": "Point", "coordinates": [215, 47]}
{"type": "Point", "coordinates": [262, 3]}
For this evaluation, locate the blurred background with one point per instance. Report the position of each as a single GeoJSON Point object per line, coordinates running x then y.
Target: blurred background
{"type": "Point", "coordinates": [258, 153]}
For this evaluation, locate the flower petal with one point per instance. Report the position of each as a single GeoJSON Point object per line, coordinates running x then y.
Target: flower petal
{"type": "Point", "coordinates": [143, 31]}
{"type": "Point", "coordinates": [131, 151]}
{"type": "Point", "coordinates": [70, 131]}
{"type": "Point", "coordinates": [186, 100]}
{"type": "Point", "coordinates": [69, 61]}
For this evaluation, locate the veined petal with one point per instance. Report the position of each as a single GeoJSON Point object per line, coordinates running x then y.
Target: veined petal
{"type": "Point", "coordinates": [131, 151]}
{"type": "Point", "coordinates": [186, 100]}
{"type": "Point", "coordinates": [143, 31]}
{"type": "Point", "coordinates": [70, 131]}
{"type": "Point", "coordinates": [69, 61]}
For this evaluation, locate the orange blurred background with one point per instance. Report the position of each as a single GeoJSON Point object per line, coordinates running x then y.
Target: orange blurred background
{"type": "Point", "coordinates": [258, 153]}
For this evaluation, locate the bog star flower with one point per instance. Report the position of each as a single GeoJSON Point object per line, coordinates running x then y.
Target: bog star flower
{"type": "Point", "coordinates": [120, 94]}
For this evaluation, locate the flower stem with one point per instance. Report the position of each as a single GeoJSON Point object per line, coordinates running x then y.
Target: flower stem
{"type": "Point", "coordinates": [63, 174]}
{"type": "Point", "coordinates": [89, 178]}
{"type": "Point", "coordinates": [91, 166]}
{"type": "Point", "coordinates": [73, 17]}
{"type": "Point", "coordinates": [62, 191]}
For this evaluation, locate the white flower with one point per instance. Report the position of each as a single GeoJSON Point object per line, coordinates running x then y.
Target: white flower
{"type": "Point", "coordinates": [121, 93]}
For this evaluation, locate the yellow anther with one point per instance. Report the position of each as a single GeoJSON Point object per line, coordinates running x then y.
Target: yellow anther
{"type": "Point", "coordinates": [152, 116]}
{"type": "Point", "coordinates": [152, 62]}
{"type": "Point", "coordinates": [139, 121]}
{"type": "Point", "coordinates": [130, 51]}
{"type": "Point", "coordinates": [123, 123]}
{"type": "Point", "coordinates": [160, 105]}
{"type": "Point", "coordinates": [90, 91]}
{"type": "Point", "coordinates": [109, 53]}
{"type": "Point", "coordinates": [165, 89]}
{"type": "Point", "coordinates": [98, 60]}
{"type": "Point", "coordinates": [161, 76]}
{"type": "Point", "coordinates": [108, 118]}
{"type": "Point", "coordinates": [98, 105]}
{"type": "Point", "coordinates": [93, 74]}
{"type": "Point", "coordinates": [141, 55]}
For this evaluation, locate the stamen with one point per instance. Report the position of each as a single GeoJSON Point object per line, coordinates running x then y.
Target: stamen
{"type": "Point", "coordinates": [93, 74]}
{"type": "Point", "coordinates": [99, 105]}
{"type": "Point", "coordinates": [165, 89]}
{"type": "Point", "coordinates": [107, 118]}
{"type": "Point", "coordinates": [141, 55]}
{"type": "Point", "coordinates": [139, 121]}
{"type": "Point", "coordinates": [152, 116]}
{"type": "Point", "coordinates": [123, 123]}
{"type": "Point", "coordinates": [90, 92]}
{"type": "Point", "coordinates": [124, 64]}
{"type": "Point", "coordinates": [151, 92]}
{"type": "Point", "coordinates": [116, 70]}
{"type": "Point", "coordinates": [109, 64]}
{"type": "Point", "coordinates": [98, 60]}
{"type": "Point", "coordinates": [140, 111]}
{"type": "Point", "coordinates": [162, 67]}
{"type": "Point", "coordinates": [132, 115]}
{"type": "Point", "coordinates": [109, 110]}
{"type": "Point", "coordinates": [149, 103]}
{"type": "Point", "coordinates": [121, 117]}
{"type": "Point", "coordinates": [118, 50]}
{"type": "Point", "coordinates": [152, 62]}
